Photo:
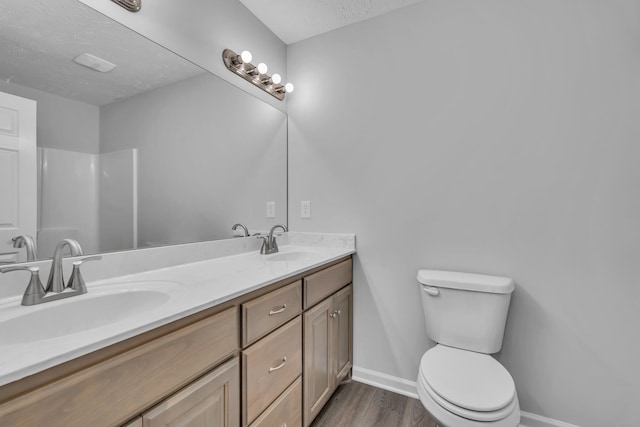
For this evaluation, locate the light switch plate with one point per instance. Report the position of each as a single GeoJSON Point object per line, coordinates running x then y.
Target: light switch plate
{"type": "Point", "coordinates": [271, 209]}
{"type": "Point", "coordinates": [305, 209]}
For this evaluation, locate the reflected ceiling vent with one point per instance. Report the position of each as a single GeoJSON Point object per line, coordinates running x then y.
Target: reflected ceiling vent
{"type": "Point", "coordinates": [93, 62]}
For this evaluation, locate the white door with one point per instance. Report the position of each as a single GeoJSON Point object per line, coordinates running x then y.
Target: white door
{"type": "Point", "coordinates": [18, 184]}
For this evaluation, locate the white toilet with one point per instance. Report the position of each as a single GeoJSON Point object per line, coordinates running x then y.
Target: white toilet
{"type": "Point", "coordinates": [459, 383]}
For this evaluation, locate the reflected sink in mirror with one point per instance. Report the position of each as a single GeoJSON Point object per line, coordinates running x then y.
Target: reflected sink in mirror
{"type": "Point", "coordinates": [108, 305]}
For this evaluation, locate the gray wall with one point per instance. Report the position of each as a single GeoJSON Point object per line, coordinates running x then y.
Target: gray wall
{"type": "Point", "coordinates": [209, 156]}
{"type": "Point", "coordinates": [199, 30]}
{"type": "Point", "coordinates": [63, 123]}
{"type": "Point", "coordinates": [497, 137]}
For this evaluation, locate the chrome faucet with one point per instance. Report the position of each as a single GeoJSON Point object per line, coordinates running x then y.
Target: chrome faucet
{"type": "Point", "coordinates": [269, 244]}
{"type": "Point", "coordinates": [244, 227]}
{"type": "Point", "coordinates": [56, 289]}
{"type": "Point", "coordinates": [24, 240]}
{"type": "Point", "coordinates": [56, 281]}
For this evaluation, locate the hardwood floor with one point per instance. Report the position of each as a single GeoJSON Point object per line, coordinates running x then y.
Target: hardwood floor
{"type": "Point", "coordinates": [359, 405]}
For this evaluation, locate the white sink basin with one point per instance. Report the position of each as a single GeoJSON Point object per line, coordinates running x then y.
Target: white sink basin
{"type": "Point", "coordinates": [104, 306]}
{"type": "Point", "coordinates": [293, 256]}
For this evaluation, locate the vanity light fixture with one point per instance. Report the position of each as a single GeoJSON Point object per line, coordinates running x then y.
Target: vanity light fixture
{"type": "Point", "coordinates": [257, 75]}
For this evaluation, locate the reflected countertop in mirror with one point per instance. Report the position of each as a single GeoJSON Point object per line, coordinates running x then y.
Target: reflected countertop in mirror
{"type": "Point", "coordinates": [156, 151]}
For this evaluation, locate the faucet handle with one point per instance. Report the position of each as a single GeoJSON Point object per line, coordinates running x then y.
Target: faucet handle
{"type": "Point", "coordinates": [265, 242]}
{"type": "Point", "coordinates": [76, 281]}
{"type": "Point", "coordinates": [35, 291]}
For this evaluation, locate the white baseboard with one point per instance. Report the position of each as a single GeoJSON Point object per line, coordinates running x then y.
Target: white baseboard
{"type": "Point", "coordinates": [385, 382]}
{"type": "Point", "coordinates": [528, 419]}
{"type": "Point", "coordinates": [409, 389]}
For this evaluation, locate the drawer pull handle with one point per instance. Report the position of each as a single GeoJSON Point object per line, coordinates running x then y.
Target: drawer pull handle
{"type": "Point", "coordinates": [278, 311]}
{"type": "Point", "coordinates": [280, 366]}
{"type": "Point", "coordinates": [335, 314]}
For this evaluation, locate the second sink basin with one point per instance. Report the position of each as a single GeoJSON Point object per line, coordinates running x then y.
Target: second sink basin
{"type": "Point", "coordinates": [292, 256]}
{"type": "Point", "coordinates": [109, 304]}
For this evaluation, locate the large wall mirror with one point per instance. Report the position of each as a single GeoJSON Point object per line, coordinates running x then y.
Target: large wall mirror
{"type": "Point", "coordinates": [156, 151]}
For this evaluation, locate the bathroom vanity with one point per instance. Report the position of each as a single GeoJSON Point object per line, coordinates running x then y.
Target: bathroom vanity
{"type": "Point", "coordinates": [270, 355]}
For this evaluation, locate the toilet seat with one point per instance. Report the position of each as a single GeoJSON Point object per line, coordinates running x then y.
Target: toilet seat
{"type": "Point", "coordinates": [468, 384]}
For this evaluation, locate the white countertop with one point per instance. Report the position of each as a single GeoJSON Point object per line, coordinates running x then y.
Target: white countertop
{"type": "Point", "coordinates": [190, 287]}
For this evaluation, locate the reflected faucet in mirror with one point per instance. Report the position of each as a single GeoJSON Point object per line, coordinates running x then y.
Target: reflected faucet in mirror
{"type": "Point", "coordinates": [37, 294]}
{"type": "Point", "coordinates": [244, 228]}
{"type": "Point", "coordinates": [28, 242]}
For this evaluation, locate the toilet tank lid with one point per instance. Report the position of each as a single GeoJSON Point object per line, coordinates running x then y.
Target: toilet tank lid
{"type": "Point", "coordinates": [466, 281]}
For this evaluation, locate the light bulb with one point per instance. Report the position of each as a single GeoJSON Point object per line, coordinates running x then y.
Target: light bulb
{"type": "Point", "coordinates": [246, 56]}
{"type": "Point", "coordinates": [288, 87]}
{"type": "Point", "coordinates": [262, 68]}
{"type": "Point", "coordinates": [276, 78]}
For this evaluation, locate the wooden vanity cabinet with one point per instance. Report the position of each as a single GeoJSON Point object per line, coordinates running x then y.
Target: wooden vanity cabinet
{"type": "Point", "coordinates": [328, 350]}
{"type": "Point", "coordinates": [285, 411]}
{"type": "Point", "coordinates": [327, 324]}
{"type": "Point", "coordinates": [266, 313]}
{"type": "Point", "coordinates": [291, 367]}
{"type": "Point", "coordinates": [272, 354]}
{"type": "Point", "coordinates": [117, 388]}
{"type": "Point", "coordinates": [269, 358]}
{"type": "Point", "coordinates": [321, 284]}
{"type": "Point", "coordinates": [135, 423]}
{"type": "Point", "coordinates": [210, 401]}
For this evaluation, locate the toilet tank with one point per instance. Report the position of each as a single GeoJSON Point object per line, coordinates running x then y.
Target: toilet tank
{"type": "Point", "coordinates": [463, 310]}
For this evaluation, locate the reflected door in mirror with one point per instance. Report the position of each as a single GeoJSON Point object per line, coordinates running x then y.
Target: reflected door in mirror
{"type": "Point", "coordinates": [17, 174]}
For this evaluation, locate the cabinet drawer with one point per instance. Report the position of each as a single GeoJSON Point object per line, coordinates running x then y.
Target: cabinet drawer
{"type": "Point", "coordinates": [270, 366]}
{"type": "Point", "coordinates": [285, 411]}
{"type": "Point", "coordinates": [212, 400]}
{"type": "Point", "coordinates": [266, 313]}
{"type": "Point", "coordinates": [130, 382]}
{"type": "Point", "coordinates": [320, 285]}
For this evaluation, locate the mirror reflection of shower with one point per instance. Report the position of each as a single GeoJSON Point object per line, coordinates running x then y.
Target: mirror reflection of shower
{"type": "Point", "coordinates": [91, 198]}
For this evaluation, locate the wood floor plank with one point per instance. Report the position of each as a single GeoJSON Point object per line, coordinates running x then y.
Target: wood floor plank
{"type": "Point", "coordinates": [356, 404]}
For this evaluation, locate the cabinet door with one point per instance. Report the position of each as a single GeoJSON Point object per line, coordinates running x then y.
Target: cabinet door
{"type": "Point", "coordinates": [342, 338]}
{"type": "Point", "coordinates": [318, 373]}
{"type": "Point", "coordinates": [135, 423]}
{"type": "Point", "coordinates": [211, 401]}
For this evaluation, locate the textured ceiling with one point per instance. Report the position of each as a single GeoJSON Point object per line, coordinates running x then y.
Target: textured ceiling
{"type": "Point", "coordinates": [295, 20]}
{"type": "Point", "coordinates": [40, 38]}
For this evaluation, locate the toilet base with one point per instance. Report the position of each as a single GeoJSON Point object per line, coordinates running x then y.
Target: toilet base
{"type": "Point", "coordinates": [448, 419]}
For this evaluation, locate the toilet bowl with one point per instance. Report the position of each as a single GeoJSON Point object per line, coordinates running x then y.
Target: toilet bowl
{"type": "Point", "coordinates": [459, 383]}
{"type": "Point", "coordinates": [462, 388]}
